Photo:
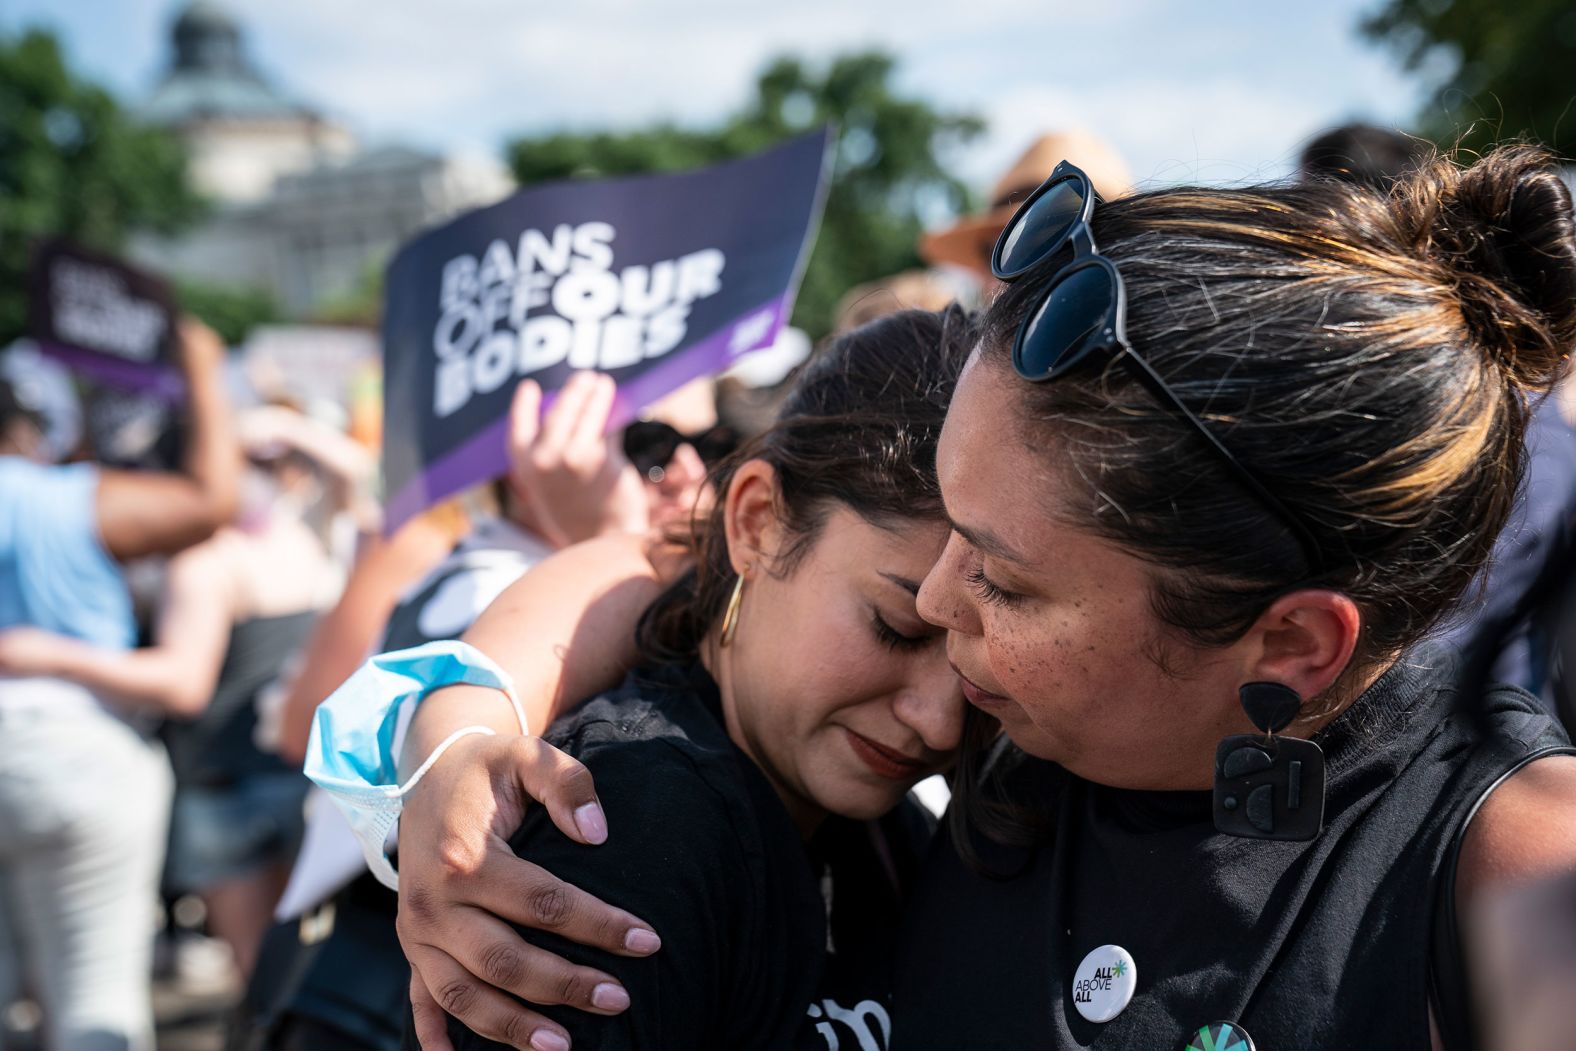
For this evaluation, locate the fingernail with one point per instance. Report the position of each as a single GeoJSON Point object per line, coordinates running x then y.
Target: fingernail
{"type": "Point", "coordinates": [609, 997]}
{"type": "Point", "coordinates": [591, 822]}
{"type": "Point", "coordinates": [642, 941]}
{"type": "Point", "coordinates": [548, 1040]}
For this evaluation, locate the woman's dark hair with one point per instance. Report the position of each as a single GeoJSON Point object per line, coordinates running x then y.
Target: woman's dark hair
{"type": "Point", "coordinates": [858, 431]}
{"type": "Point", "coordinates": [1371, 355]}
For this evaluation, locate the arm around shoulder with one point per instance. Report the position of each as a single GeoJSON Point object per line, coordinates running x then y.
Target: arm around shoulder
{"type": "Point", "coordinates": [676, 860]}
{"type": "Point", "coordinates": [563, 631]}
{"type": "Point", "coordinates": [174, 677]}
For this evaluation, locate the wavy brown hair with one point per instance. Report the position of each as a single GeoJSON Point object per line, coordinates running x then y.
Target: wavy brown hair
{"type": "Point", "coordinates": [858, 431]}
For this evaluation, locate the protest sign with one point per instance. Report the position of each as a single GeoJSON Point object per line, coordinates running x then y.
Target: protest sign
{"type": "Point", "coordinates": [653, 279]}
{"type": "Point", "coordinates": [105, 319]}
{"type": "Point", "coordinates": [114, 327]}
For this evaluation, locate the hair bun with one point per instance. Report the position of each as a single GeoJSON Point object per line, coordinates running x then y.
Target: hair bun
{"type": "Point", "coordinates": [1504, 228]}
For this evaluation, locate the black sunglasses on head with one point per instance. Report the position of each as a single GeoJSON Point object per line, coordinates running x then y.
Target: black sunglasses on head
{"type": "Point", "coordinates": [1081, 317]}
{"type": "Point", "coordinates": [650, 445]}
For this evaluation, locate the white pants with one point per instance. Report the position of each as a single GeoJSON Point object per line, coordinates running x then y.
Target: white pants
{"type": "Point", "coordinates": [84, 809]}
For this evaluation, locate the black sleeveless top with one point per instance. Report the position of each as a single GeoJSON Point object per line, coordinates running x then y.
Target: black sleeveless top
{"type": "Point", "coordinates": [216, 748]}
{"type": "Point", "coordinates": [767, 941]}
{"type": "Point", "coordinates": [1323, 944]}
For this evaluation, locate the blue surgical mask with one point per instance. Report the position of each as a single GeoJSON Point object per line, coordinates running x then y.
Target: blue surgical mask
{"type": "Point", "coordinates": [353, 751]}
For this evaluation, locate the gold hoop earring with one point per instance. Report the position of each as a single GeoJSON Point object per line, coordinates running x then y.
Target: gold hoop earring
{"type": "Point", "coordinates": [730, 619]}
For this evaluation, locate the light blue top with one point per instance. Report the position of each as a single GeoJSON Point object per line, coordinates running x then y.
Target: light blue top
{"type": "Point", "coordinates": [54, 571]}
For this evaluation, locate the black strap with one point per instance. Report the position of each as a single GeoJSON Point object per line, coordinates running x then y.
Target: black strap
{"type": "Point", "coordinates": [1450, 986]}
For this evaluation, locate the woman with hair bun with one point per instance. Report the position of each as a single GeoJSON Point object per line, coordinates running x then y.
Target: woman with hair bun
{"type": "Point", "coordinates": [1220, 462]}
{"type": "Point", "coordinates": [1349, 378]}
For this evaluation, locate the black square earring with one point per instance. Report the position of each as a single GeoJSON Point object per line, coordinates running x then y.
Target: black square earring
{"type": "Point", "coordinates": [1269, 787]}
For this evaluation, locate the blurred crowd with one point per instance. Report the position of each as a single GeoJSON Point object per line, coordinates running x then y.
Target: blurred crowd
{"type": "Point", "coordinates": [168, 635]}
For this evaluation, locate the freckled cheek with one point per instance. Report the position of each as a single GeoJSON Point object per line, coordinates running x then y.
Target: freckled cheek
{"type": "Point", "coordinates": [1017, 657]}
{"type": "Point", "coordinates": [1043, 663]}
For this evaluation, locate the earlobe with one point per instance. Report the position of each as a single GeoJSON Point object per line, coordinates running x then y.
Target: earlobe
{"type": "Point", "coordinates": [1306, 640]}
{"type": "Point", "coordinates": [750, 515]}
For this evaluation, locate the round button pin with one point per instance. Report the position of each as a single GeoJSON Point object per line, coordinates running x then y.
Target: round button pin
{"type": "Point", "coordinates": [1221, 1036]}
{"type": "Point", "coordinates": [1104, 983]}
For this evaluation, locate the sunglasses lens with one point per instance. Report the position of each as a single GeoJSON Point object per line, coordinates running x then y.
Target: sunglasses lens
{"type": "Point", "coordinates": [716, 444]}
{"type": "Point", "coordinates": [1055, 338]}
{"type": "Point", "coordinates": [649, 444]}
{"type": "Point", "coordinates": [1040, 229]}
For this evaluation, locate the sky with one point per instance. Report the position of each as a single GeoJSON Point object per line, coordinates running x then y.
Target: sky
{"type": "Point", "coordinates": [1220, 91]}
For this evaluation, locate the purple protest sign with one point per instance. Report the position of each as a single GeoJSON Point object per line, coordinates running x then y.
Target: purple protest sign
{"type": "Point", "coordinates": [654, 279]}
{"type": "Point", "coordinates": [114, 327]}
{"type": "Point", "coordinates": [104, 319]}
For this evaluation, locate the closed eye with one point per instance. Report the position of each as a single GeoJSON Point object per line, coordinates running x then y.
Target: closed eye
{"type": "Point", "coordinates": [988, 591]}
{"type": "Point", "coordinates": [893, 639]}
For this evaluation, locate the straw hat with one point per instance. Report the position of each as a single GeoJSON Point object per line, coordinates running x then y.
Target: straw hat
{"type": "Point", "coordinates": [969, 242]}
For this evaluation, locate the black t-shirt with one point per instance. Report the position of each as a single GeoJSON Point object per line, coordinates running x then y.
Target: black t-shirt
{"type": "Point", "coordinates": [701, 847]}
{"type": "Point", "coordinates": [215, 748]}
{"type": "Point", "coordinates": [1322, 944]}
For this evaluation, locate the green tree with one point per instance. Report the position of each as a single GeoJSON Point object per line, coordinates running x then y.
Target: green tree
{"type": "Point", "coordinates": [230, 311]}
{"type": "Point", "coordinates": [72, 162]}
{"type": "Point", "coordinates": [359, 304]}
{"type": "Point", "coordinates": [888, 173]}
{"type": "Point", "coordinates": [1508, 70]}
